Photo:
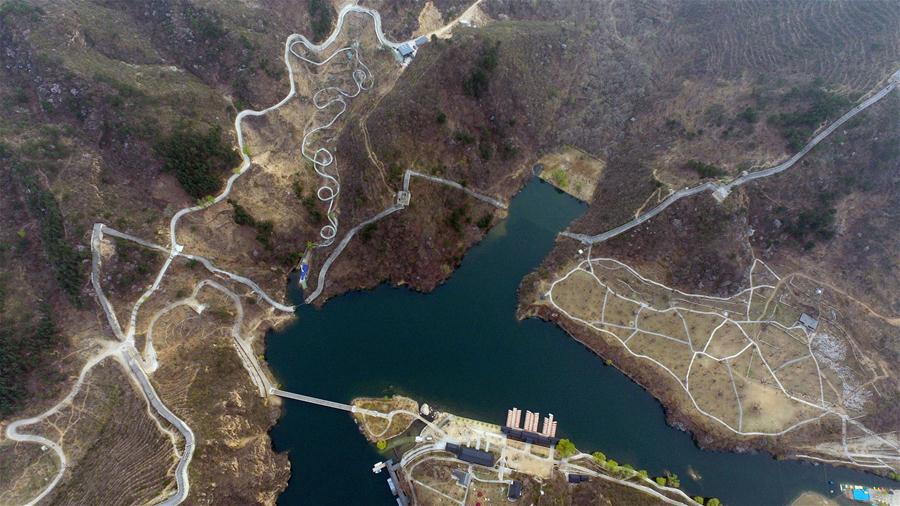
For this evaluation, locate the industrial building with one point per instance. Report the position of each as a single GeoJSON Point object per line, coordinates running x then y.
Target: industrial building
{"type": "Point", "coordinates": [808, 321]}
{"type": "Point", "coordinates": [471, 455]}
{"type": "Point", "coordinates": [405, 50]}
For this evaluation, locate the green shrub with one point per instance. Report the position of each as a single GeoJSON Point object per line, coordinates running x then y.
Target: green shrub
{"type": "Point", "coordinates": [750, 116]}
{"type": "Point", "coordinates": [485, 150]}
{"type": "Point", "coordinates": [672, 480]}
{"type": "Point", "coordinates": [20, 8]}
{"type": "Point", "coordinates": [395, 172]}
{"type": "Point", "coordinates": [821, 105]}
{"type": "Point", "coordinates": [485, 221]}
{"type": "Point", "coordinates": [456, 217]}
{"type": "Point", "coordinates": [560, 177]}
{"type": "Point", "coordinates": [241, 215]}
{"type": "Point", "coordinates": [65, 261]}
{"type": "Point", "coordinates": [366, 233]}
{"type": "Point", "coordinates": [565, 448]}
{"type": "Point", "coordinates": [811, 224]}
{"type": "Point", "coordinates": [197, 159]}
{"type": "Point", "coordinates": [463, 137]}
{"type": "Point", "coordinates": [705, 170]}
{"type": "Point", "coordinates": [320, 15]}
{"type": "Point", "coordinates": [264, 231]}
{"type": "Point", "coordinates": [25, 346]}
{"type": "Point", "coordinates": [206, 24]}
{"type": "Point", "coordinates": [478, 81]}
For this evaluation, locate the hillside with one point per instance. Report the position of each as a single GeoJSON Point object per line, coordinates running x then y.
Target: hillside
{"type": "Point", "coordinates": [121, 113]}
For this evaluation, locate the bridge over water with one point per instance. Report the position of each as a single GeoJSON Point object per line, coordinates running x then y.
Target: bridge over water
{"type": "Point", "coordinates": [311, 400]}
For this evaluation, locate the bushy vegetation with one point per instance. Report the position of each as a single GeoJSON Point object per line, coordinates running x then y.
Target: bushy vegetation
{"type": "Point", "coordinates": [309, 202]}
{"type": "Point", "coordinates": [205, 23]}
{"type": "Point", "coordinates": [49, 145]}
{"type": "Point", "coordinates": [565, 448]}
{"type": "Point", "coordinates": [366, 233]}
{"type": "Point", "coordinates": [560, 178]}
{"type": "Point", "coordinates": [320, 17]}
{"type": "Point", "coordinates": [749, 115]}
{"type": "Point", "coordinates": [485, 150]}
{"type": "Point", "coordinates": [485, 221]}
{"type": "Point", "coordinates": [463, 137]}
{"type": "Point", "coordinates": [20, 8]}
{"type": "Point", "coordinates": [669, 480]}
{"type": "Point", "coordinates": [457, 217]}
{"type": "Point", "coordinates": [132, 253]}
{"type": "Point", "coordinates": [705, 170]}
{"type": "Point", "coordinates": [241, 215]}
{"type": "Point", "coordinates": [264, 231]}
{"type": "Point", "coordinates": [24, 348]}
{"type": "Point", "coordinates": [820, 105]}
{"type": "Point", "coordinates": [479, 78]}
{"type": "Point", "coordinates": [264, 228]}
{"type": "Point", "coordinates": [198, 159]}
{"type": "Point", "coordinates": [65, 261]}
{"type": "Point", "coordinates": [809, 225]}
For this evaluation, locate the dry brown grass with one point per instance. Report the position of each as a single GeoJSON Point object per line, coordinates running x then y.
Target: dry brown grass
{"type": "Point", "coordinates": [713, 391]}
{"type": "Point", "coordinates": [580, 295]}
{"type": "Point", "coordinates": [25, 470]}
{"type": "Point", "coordinates": [116, 451]}
{"type": "Point", "coordinates": [573, 171]}
{"type": "Point", "coordinates": [377, 428]}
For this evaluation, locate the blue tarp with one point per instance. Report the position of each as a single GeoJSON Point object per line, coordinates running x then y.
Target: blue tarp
{"type": "Point", "coordinates": [304, 271]}
{"type": "Point", "coordinates": [861, 495]}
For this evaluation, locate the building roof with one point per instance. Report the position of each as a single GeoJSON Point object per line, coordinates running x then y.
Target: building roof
{"type": "Point", "coordinates": [578, 478]}
{"type": "Point", "coordinates": [808, 321]}
{"type": "Point", "coordinates": [515, 490]}
{"type": "Point", "coordinates": [462, 477]}
{"type": "Point", "coordinates": [405, 49]}
{"type": "Point", "coordinates": [529, 437]}
{"type": "Point", "coordinates": [421, 41]}
{"type": "Point", "coordinates": [471, 455]}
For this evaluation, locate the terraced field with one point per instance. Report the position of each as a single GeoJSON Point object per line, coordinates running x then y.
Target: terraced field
{"type": "Point", "coordinates": [843, 43]}
{"type": "Point", "coordinates": [107, 431]}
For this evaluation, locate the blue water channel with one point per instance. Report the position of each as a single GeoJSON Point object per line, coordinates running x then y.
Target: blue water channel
{"type": "Point", "coordinates": [462, 350]}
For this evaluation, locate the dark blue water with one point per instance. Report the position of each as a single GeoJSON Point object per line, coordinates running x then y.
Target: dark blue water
{"type": "Point", "coordinates": [462, 350]}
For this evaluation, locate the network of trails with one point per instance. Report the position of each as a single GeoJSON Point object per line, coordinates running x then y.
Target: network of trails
{"type": "Point", "coordinates": [169, 322]}
{"type": "Point", "coordinates": [743, 361]}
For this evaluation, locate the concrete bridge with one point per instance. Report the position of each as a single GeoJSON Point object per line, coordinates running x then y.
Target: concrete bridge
{"type": "Point", "coordinates": [311, 400]}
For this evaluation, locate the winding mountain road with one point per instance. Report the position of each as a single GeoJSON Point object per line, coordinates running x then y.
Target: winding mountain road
{"type": "Point", "coordinates": [722, 190]}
